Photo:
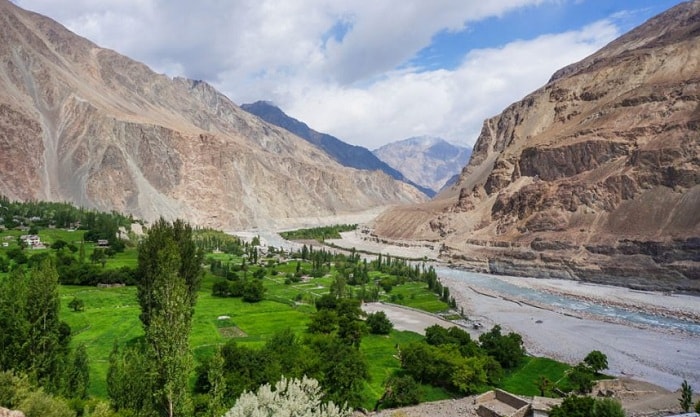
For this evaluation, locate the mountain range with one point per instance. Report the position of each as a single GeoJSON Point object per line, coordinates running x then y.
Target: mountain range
{"type": "Point", "coordinates": [426, 160]}
{"type": "Point", "coordinates": [348, 155]}
{"type": "Point", "coordinates": [594, 176]}
{"type": "Point", "coordinates": [86, 125]}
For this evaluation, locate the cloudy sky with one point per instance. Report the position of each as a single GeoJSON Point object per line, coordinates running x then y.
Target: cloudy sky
{"type": "Point", "coordinates": [367, 71]}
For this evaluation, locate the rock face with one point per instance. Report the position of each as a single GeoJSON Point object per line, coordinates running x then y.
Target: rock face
{"type": "Point", "coordinates": [349, 155]}
{"type": "Point", "coordinates": [426, 160]}
{"type": "Point", "coordinates": [595, 176]}
{"type": "Point", "coordinates": [83, 124]}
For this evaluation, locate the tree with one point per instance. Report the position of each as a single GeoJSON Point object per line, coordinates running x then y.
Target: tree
{"type": "Point", "coordinates": [130, 379]}
{"type": "Point", "coordinates": [253, 291]}
{"type": "Point", "coordinates": [573, 406]}
{"type": "Point", "coordinates": [78, 375]}
{"type": "Point", "coordinates": [469, 374]}
{"type": "Point", "coordinates": [169, 274]}
{"type": "Point", "coordinates": [13, 321]}
{"type": "Point", "coordinates": [581, 377]}
{"type": "Point", "coordinates": [217, 384]}
{"type": "Point", "coordinates": [507, 349]}
{"type": "Point", "coordinates": [340, 368]}
{"type": "Point", "coordinates": [47, 337]}
{"type": "Point", "coordinates": [189, 265]}
{"type": "Point", "coordinates": [597, 361]}
{"type": "Point", "coordinates": [400, 391]}
{"type": "Point", "coordinates": [379, 323]}
{"type": "Point", "coordinates": [290, 397]}
{"type": "Point", "coordinates": [167, 334]}
{"type": "Point", "coordinates": [686, 400]}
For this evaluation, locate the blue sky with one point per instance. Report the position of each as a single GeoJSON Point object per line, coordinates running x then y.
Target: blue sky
{"type": "Point", "coordinates": [367, 71]}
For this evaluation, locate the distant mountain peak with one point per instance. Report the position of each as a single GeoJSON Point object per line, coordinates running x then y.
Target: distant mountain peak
{"type": "Point", "coordinates": [346, 154]}
{"type": "Point", "coordinates": [430, 161]}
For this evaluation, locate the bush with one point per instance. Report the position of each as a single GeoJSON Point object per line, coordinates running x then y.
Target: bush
{"type": "Point", "coordinates": [76, 304]}
{"type": "Point", "coordinates": [379, 323]}
{"type": "Point", "coordinates": [289, 397]}
{"type": "Point", "coordinates": [401, 391]}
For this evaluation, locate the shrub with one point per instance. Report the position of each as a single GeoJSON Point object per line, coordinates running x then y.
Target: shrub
{"type": "Point", "coordinates": [379, 323]}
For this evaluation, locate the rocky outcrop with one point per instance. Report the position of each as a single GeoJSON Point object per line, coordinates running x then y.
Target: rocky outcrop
{"type": "Point", "coordinates": [83, 124]}
{"type": "Point", "coordinates": [595, 176]}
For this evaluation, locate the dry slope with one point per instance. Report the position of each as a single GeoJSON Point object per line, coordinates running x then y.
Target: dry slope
{"type": "Point", "coordinates": [84, 124]}
{"type": "Point", "coordinates": [594, 176]}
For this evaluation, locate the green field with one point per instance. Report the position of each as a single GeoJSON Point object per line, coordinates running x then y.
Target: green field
{"type": "Point", "coordinates": [111, 315]}
{"type": "Point", "coordinates": [523, 380]}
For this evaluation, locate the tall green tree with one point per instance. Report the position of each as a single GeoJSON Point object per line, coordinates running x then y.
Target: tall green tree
{"type": "Point", "coordinates": [13, 321]}
{"type": "Point", "coordinates": [167, 334]}
{"type": "Point", "coordinates": [130, 380]}
{"type": "Point", "coordinates": [78, 375]}
{"type": "Point", "coordinates": [169, 274]}
{"type": "Point", "coordinates": [189, 264]}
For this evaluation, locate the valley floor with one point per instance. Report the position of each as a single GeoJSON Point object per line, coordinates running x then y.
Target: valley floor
{"type": "Point", "coordinates": [658, 356]}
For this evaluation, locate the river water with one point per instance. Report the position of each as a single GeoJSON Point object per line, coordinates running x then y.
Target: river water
{"type": "Point", "coordinates": [563, 303]}
{"type": "Point", "coordinates": [556, 302]}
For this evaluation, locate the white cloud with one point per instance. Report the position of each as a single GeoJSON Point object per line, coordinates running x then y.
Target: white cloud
{"type": "Point", "coordinates": [452, 104]}
{"type": "Point", "coordinates": [332, 63]}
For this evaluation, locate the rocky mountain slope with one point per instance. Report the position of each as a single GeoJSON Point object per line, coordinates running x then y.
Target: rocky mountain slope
{"type": "Point", "coordinates": [595, 176]}
{"type": "Point", "coordinates": [84, 124]}
{"type": "Point", "coordinates": [349, 155]}
{"type": "Point", "coordinates": [426, 160]}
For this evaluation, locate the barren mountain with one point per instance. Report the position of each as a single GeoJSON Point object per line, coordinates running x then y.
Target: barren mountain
{"type": "Point", "coordinates": [426, 160]}
{"type": "Point", "coordinates": [84, 124]}
{"type": "Point", "coordinates": [349, 155]}
{"type": "Point", "coordinates": [595, 176]}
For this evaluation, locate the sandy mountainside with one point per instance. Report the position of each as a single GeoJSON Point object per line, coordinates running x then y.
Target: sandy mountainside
{"type": "Point", "coordinates": [84, 124]}
{"type": "Point", "coordinates": [426, 160]}
{"type": "Point", "coordinates": [595, 176]}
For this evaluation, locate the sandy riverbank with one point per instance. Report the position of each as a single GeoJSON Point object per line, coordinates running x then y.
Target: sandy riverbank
{"type": "Point", "coordinates": [649, 354]}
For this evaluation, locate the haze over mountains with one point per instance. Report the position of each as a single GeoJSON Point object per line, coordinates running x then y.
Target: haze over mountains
{"type": "Point", "coordinates": [594, 176]}
{"type": "Point", "coordinates": [83, 124]}
{"type": "Point", "coordinates": [429, 161]}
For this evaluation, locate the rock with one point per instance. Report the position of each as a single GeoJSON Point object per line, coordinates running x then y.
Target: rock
{"type": "Point", "coordinates": [598, 171]}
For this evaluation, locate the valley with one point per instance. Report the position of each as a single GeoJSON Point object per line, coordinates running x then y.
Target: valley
{"type": "Point", "coordinates": [583, 316]}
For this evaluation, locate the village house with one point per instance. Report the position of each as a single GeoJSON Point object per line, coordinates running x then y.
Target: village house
{"type": "Point", "coordinates": [32, 241]}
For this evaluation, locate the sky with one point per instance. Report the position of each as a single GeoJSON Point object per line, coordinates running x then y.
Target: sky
{"type": "Point", "coordinates": [369, 72]}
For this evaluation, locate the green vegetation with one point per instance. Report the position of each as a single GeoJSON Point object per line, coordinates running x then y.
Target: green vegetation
{"type": "Point", "coordinates": [537, 376]}
{"type": "Point", "coordinates": [574, 406]}
{"type": "Point", "coordinates": [251, 315]}
{"type": "Point", "coordinates": [686, 400]}
{"type": "Point", "coordinates": [318, 233]}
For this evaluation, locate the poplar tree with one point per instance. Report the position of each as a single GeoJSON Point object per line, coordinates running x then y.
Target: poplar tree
{"type": "Point", "coordinates": [169, 274]}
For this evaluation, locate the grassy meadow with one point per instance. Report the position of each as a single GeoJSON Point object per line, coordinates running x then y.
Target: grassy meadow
{"type": "Point", "coordinates": [111, 315]}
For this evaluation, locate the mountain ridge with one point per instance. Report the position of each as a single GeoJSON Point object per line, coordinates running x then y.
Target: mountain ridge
{"type": "Point", "coordinates": [427, 160]}
{"type": "Point", "coordinates": [353, 156]}
{"type": "Point", "coordinates": [595, 176]}
{"type": "Point", "coordinates": [84, 124]}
